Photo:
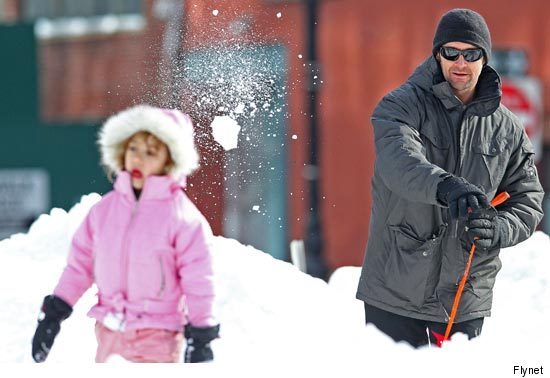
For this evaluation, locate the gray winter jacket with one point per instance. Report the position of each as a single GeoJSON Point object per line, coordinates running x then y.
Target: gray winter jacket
{"type": "Point", "coordinates": [412, 265]}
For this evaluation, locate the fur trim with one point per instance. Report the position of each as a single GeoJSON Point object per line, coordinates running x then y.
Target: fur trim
{"type": "Point", "coordinates": [171, 126]}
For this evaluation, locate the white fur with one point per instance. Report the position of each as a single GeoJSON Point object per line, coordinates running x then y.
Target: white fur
{"type": "Point", "coordinates": [174, 129]}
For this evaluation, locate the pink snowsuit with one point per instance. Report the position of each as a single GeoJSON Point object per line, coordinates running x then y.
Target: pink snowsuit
{"type": "Point", "coordinates": [150, 259]}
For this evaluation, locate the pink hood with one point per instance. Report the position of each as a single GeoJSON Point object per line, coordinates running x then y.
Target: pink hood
{"type": "Point", "coordinates": [150, 259]}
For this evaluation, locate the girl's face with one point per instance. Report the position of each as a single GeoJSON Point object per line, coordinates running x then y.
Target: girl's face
{"type": "Point", "coordinates": [144, 156]}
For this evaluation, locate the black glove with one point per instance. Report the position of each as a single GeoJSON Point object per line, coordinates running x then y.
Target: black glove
{"type": "Point", "coordinates": [198, 343]}
{"type": "Point", "coordinates": [459, 195]}
{"type": "Point", "coordinates": [54, 311]}
{"type": "Point", "coordinates": [484, 228]}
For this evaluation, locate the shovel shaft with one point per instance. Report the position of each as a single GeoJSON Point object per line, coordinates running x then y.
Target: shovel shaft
{"type": "Point", "coordinates": [499, 199]}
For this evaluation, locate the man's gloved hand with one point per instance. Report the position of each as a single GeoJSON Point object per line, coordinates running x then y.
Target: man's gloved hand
{"type": "Point", "coordinates": [459, 195]}
{"type": "Point", "coordinates": [483, 228]}
{"type": "Point", "coordinates": [54, 310]}
{"type": "Point", "coordinates": [198, 343]}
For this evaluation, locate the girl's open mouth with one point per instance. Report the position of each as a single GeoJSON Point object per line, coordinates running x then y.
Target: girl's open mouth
{"type": "Point", "coordinates": [136, 173]}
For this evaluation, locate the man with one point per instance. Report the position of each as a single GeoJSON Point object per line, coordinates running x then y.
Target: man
{"type": "Point", "coordinates": [445, 146]}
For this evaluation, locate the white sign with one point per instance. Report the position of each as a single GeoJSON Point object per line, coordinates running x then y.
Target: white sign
{"type": "Point", "coordinates": [24, 195]}
{"type": "Point", "coordinates": [523, 96]}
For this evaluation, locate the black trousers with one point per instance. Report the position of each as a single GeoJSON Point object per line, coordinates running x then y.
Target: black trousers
{"type": "Point", "coordinates": [415, 331]}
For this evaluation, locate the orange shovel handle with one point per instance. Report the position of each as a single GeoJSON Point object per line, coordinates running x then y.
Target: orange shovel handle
{"type": "Point", "coordinates": [499, 199]}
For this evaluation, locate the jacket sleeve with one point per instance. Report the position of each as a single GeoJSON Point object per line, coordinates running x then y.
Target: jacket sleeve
{"type": "Point", "coordinates": [400, 160]}
{"type": "Point", "coordinates": [522, 212]}
{"type": "Point", "coordinates": [77, 276]}
{"type": "Point", "coordinates": [194, 261]}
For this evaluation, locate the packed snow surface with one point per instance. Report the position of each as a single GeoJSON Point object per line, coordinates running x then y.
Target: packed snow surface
{"type": "Point", "coordinates": [273, 314]}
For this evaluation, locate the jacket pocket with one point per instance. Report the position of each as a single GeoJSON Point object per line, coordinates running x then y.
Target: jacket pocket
{"type": "Point", "coordinates": [493, 158]}
{"type": "Point", "coordinates": [147, 275]}
{"type": "Point", "coordinates": [434, 134]}
{"type": "Point", "coordinates": [409, 263]}
{"type": "Point", "coordinates": [483, 275]}
{"type": "Point", "coordinates": [436, 147]}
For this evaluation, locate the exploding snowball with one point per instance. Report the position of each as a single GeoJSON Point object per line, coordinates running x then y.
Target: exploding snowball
{"type": "Point", "coordinates": [225, 131]}
{"type": "Point", "coordinates": [239, 109]}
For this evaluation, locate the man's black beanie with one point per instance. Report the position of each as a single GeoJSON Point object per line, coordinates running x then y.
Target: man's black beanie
{"type": "Point", "coordinates": [463, 25]}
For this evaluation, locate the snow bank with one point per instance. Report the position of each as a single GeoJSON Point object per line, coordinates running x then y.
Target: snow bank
{"type": "Point", "coordinates": [273, 314]}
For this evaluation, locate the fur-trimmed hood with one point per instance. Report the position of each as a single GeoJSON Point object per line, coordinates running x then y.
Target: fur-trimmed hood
{"type": "Point", "coordinates": [171, 126]}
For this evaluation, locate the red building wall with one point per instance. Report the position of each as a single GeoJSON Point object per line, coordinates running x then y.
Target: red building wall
{"type": "Point", "coordinates": [366, 48]}
{"type": "Point", "coordinates": [93, 76]}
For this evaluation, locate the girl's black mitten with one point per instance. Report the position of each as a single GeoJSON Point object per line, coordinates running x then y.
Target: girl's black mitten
{"type": "Point", "coordinates": [54, 310]}
{"type": "Point", "coordinates": [198, 343]}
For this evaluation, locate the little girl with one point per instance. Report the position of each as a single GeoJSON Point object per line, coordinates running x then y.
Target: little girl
{"type": "Point", "coordinates": [146, 247]}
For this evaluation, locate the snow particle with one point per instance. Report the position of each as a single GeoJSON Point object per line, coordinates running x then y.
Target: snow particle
{"type": "Point", "coordinates": [215, 12]}
{"type": "Point", "coordinates": [300, 56]}
{"type": "Point", "coordinates": [294, 136]}
{"type": "Point", "coordinates": [239, 109]}
{"type": "Point", "coordinates": [279, 15]}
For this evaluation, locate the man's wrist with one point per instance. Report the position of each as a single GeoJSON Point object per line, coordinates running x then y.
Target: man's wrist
{"type": "Point", "coordinates": [501, 233]}
{"type": "Point", "coordinates": [442, 187]}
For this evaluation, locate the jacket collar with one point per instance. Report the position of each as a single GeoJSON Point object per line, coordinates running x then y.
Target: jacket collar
{"type": "Point", "coordinates": [429, 77]}
{"type": "Point", "coordinates": [154, 188]}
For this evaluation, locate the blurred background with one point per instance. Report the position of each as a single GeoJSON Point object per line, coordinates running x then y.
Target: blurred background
{"type": "Point", "coordinates": [300, 77]}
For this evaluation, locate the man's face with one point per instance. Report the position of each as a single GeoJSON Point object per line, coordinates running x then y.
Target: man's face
{"type": "Point", "coordinates": [461, 75]}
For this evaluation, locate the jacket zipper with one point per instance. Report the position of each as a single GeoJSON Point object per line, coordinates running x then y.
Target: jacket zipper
{"type": "Point", "coordinates": [125, 252]}
{"type": "Point", "coordinates": [443, 307]}
{"type": "Point", "coordinates": [162, 278]}
{"type": "Point", "coordinates": [459, 170]}
{"type": "Point", "coordinates": [93, 267]}
{"type": "Point", "coordinates": [458, 166]}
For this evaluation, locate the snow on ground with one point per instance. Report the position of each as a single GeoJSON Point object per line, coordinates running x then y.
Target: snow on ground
{"type": "Point", "coordinates": [273, 314]}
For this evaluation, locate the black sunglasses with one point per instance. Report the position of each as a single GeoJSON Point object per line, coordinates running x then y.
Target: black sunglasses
{"type": "Point", "coordinates": [470, 55]}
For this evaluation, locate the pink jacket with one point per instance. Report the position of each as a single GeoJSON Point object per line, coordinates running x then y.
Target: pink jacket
{"type": "Point", "coordinates": [150, 259]}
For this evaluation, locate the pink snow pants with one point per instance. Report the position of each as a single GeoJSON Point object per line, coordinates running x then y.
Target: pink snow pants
{"type": "Point", "coordinates": [139, 345]}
